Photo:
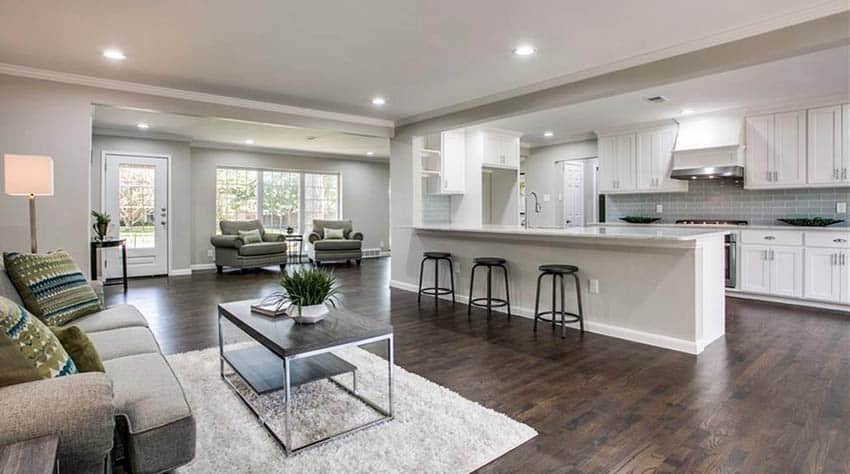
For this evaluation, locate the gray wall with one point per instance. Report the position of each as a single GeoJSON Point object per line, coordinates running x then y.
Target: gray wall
{"type": "Point", "coordinates": [180, 214]}
{"type": "Point", "coordinates": [544, 176]}
{"type": "Point", "coordinates": [365, 191]}
{"type": "Point", "coordinates": [725, 200]}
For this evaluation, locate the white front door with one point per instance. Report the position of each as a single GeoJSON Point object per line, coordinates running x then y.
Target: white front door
{"type": "Point", "coordinates": [573, 194]}
{"type": "Point", "coordinates": [136, 196]}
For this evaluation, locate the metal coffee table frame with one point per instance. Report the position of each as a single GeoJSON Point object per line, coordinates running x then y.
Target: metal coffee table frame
{"type": "Point", "coordinates": [287, 362]}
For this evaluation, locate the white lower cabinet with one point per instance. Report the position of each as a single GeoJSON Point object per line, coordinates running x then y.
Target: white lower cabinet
{"type": "Point", "coordinates": [827, 275]}
{"type": "Point", "coordinates": [772, 270]}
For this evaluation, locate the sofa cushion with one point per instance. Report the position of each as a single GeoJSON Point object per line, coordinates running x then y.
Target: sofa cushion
{"type": "Point", "coordinates": [7, 288]}
{"type": "Point", "coordinates": [322, 245]}
{"type": "Point", "coordinates": [334, 234]}
{"type": "Point", "coordinates": [123, 342]}
{"type": "Point", "coordinates": [113, 317]}
{"type": "Point", "coordinates": [262, 248]}
{"type": "Point", "coordinates": [319, 226]}
{"type": "Point", "coordinates": [250, 236]}
{"type": "Point", "coordinates": [52, 286]}
{"type": "Point", "coordinates": [28, 349]}
{"type": "Point", "coordinates": [233, 227]}
{"type": "Point", "coordinates": [80, 348]}
{"type": "Point", "coordinates": [158, 416]}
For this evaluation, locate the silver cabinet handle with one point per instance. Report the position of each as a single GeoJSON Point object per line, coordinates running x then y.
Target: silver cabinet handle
{"type": "Point", "coordinates": [772, 254]}
{"type": "Point", "coordinates": [842, 259]}
{"type": "Point", "coordinates": [769, 237]}
{"type": "Point", "coordinates": [764, 254]}
{"type": "Point", "coordinates": [839, 240]}
{"type": "Point", "coordinates": [768, 175]}
{"type": "Point", "coordinates": [834, 173]}
{"type": "Point", "coordinates": [775, 176]}
{"type": "Point", "coordinates": [832, 259]}
{"type": "Point", "coordinates": [843, 173]}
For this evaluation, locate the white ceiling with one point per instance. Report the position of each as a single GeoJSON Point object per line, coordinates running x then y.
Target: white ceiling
{"type": "Point", "coordinates": [421, 55]}
{"type": "Point", "coordinates": [214, 130]}
{"type": "Point", "coordinates": [820, 74]}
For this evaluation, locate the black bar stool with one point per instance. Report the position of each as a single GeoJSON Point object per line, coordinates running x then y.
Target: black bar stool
{"type": "Point", "coordinates": [488, 301]}
{"type": "Point", "coordinates": [558, 272]}
{"type": "Point", "coordinates": [436, 291]}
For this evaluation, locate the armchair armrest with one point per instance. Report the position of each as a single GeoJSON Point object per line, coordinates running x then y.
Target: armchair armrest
{"type": "Point", "coordinates": [314, 237]}
{"type": "Point", "coordinates": [226, 241]}
{"type": "Point", "coordinates": [357, 236]}
{"type": "Point", "coordinates": [77, 408]}
{"type": "Point", "coordinates": [272, 237]}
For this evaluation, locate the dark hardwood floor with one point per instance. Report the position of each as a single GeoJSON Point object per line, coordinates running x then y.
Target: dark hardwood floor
{"type": "Point", "coordinates": [773, 396]}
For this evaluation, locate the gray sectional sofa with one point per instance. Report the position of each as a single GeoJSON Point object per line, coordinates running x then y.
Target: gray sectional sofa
{"type": "Point", "coordinates": [138, 401]}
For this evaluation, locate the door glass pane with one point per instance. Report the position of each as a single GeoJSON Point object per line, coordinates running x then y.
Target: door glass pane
{"type": "Point", "coordinates": [281, 192]}
{"type": "Point", "coordinates": [236, 195]}
{"type": "Point", "coordinates": [136, 184]}
{"type": "Point", "coordinates": [321, 198]}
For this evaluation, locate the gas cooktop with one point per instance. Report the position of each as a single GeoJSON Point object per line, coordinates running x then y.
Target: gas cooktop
{"type": "Point", "coordinates": [712, 221]}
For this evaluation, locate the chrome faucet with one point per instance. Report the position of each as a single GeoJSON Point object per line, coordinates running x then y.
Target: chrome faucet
{"type": "Point", "coordinates": [537, 208]}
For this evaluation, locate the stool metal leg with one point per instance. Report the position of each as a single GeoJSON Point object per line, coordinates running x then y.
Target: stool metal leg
{"type": "Point", "coordinates": [471, 286]}
{"type": "Point", "coordinates": [421, 269]}
{"type": "Point", "coordinates": [507, 290]}
{"type": "Point", "coordinates": [554, 299]}
{"type": "Point", "coordinates": [578, 297]}
{"type": "Point", "coordinates": [537, 301]}
{"type": "Point", "coordinates": [489, 291]}
{"type": "Point", "coordinates": [452, 279]}
{"type": "Point", "coordinates": [436, 281]}
{"type": "Point", "coordinates": [563, 310]}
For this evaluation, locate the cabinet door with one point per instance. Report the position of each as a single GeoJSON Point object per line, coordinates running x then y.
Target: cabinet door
{"type": "Point", "coordinates": [510, 151]}
{"type": "Point", "coordinates": [607, 164]}
{"type": "Point", "coordinates": [645, 167]}
{"type": "Point", "coordinates": [492, 148]}
{"type": "Point", "coordinates": [845, 141]}
{"type": "Point", "coordinates": [626, 163]}
{"type": "Point", "coordinates": [844, 276]}
{"type": "Point", "coordinates": [759, 152]}
{"type": "Point", "coordinates": [755, 268]}
{"type": "Point", "coordinates": [823, 274]}
{"type": "Point", "coordinates": [786, 271]}
{"type": "Point", "coordinates": [453, 157]}
{"type": "Point", "coordinates": [789, 149]}
{"type": "Point", "coordinates": [824, 145]}
{"type": "Point", "coordinates": [663, 143]}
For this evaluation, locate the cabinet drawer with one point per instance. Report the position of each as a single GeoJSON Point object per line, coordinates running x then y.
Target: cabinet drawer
{"type": "Point", "coordinates": [772, 237]}
{"type": "Point", "coordinates": [828, 239]}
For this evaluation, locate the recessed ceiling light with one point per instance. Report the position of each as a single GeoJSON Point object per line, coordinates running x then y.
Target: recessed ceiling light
{"type": "Point", "coordinates": [249, 142]}
{"type": "Point", "coordinates": [378, 101]}
{"type": "Point", "coordinates": [114, 54]}
{"type": "Point", "coordinates": [143, 126]}
{"type": "Point", "coordinates": [548, 134]}
{"type": "Point", "coordinates": [525, 50]}
{"type": "Point", "coordinates": [370, 153]}
{"type": "Point", "coordinates": [687, 111]}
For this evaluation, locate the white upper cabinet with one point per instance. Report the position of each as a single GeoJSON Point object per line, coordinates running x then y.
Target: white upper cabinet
{"type": "Point", "coordinates": [638, 162]}
{"type": "Point", "coordinates": [500, 149]}
{"type": "Point", "coordinates": [453, 159]}
{"type": "Point", "coordinates": [827, 163]}
{"type": "Point", "coordinates": [776, 150]}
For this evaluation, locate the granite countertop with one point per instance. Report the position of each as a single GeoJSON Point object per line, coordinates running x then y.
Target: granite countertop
{"type": "Point", "coordinates": [645, 233]}
{"type": "Point", "coordinates": [834, 228]}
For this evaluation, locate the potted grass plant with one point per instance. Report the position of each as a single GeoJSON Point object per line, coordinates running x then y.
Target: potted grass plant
{"type": "Point", "coordinates": [101, 223]}
{"type": "Point", "coordinates": [306, 294]}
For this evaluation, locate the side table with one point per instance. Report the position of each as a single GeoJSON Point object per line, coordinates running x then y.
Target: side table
{"type": "Point", "coordinates": [293, 239]}
{"type": "Point", "coordinates": [33, 456]}
{"type": "Point", "coordinates": [107, 243]}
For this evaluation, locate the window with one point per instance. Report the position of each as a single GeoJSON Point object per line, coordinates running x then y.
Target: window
{"type": "Point", "coordinates": [136, 205]}
{"type": "Point", "coordinates": [281, 199]}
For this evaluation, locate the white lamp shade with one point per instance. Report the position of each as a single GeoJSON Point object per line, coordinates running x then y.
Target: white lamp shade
{"type": "Point", "coordinates": [28, 174]}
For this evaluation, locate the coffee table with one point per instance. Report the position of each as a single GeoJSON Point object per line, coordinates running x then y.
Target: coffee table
{"type": "Point", "coordinates": [290, 354]}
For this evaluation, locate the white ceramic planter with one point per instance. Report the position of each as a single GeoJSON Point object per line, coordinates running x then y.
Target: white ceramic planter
{"type": "Point", "coordinates": [311, 314]}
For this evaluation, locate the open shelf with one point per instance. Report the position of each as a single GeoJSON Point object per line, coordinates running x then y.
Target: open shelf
{"type": "Point", "coordinates": [499, 166]}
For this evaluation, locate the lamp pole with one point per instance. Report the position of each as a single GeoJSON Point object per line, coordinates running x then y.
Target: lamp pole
{"type": "Point", "coordinates": [33, 243]}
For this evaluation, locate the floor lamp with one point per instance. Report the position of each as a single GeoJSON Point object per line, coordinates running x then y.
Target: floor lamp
{"type": "Point", "coordinates": [31, 176]}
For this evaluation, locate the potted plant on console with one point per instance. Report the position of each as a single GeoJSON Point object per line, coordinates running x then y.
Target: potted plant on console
{"type": "Point", "coordinates": [101, 223]}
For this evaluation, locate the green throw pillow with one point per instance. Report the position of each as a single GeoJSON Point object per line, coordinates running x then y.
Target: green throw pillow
{"type": "Point", "coordinates": [52, 286]}
{"type": "Point", "coordinates": [28, 349]}
{"type": "Point", "coordinates": [251, 236]}
{"type": "Point", "coordinates": [334, 234]}
{"type": "Point", "coordinates": [80, 348]}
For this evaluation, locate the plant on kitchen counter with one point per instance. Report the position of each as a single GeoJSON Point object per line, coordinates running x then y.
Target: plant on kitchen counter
{"type": "Point", "coordinates": [640, 220]}
{"type": "Point", "coordinates": [811, 221]}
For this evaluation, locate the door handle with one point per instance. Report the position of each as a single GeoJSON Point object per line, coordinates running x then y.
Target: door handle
{"type": "Point", "coordinates": [162, 222]}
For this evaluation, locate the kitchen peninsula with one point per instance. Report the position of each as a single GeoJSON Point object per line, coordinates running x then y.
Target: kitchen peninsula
{"type": "Point", "coordinates": [663, 287]}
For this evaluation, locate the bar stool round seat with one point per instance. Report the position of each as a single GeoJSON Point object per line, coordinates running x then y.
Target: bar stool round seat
{"type": "Point", "coordinates": [436, 291]}
{"type": "Point", "coordinates": [489, 261]}
{"type": "Point", "coordinates": [558, 268]}
{"type": "Point", "coordinates": [488, 302]}
{"type": "Point", "coordinates": [557, 272]}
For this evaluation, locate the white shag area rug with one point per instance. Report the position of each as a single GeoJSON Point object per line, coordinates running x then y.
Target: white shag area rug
{"type": "Point", "coordinates": [434, 430]}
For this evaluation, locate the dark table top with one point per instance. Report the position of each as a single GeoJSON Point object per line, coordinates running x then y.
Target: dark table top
{"type": "Point", "coordinates": [285, 338]}
{"type": "Point", "coordinates": [107, 242]}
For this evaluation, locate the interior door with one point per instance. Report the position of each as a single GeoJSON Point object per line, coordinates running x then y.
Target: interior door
{"type": "Point", "coordinates": [573, 194]}
{"type": "Point", "coordinates": [136, 196]}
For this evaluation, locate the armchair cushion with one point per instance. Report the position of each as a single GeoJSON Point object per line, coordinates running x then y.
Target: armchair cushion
{"type": "Point", "coordinates": [319, 226]}
{"type": "Point", "coordinates": [226, 241]}
{"type": "Point", "coordinates": [233, 227]}
{"type": "Point", "coordinates": [337, 244]}
{"type": "Point", "coordinates": [273, 237]}
{"type": "Point", "coordinates": [252, 236]}
{"type": "Point", "coordinates": [334, 234]}
{"type": "Point", "coordinates": [262, 248]}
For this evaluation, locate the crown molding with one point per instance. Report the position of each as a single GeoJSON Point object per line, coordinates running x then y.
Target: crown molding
{"type": "Point", "coordinates": [286, 152]}
{"type": "Point", "coordinates": [139, 88]}
{"type": "Point", "coordinates": [821, 10]}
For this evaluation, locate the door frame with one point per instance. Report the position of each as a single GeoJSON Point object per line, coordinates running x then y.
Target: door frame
{"type": "Point", "coordinates": [167, 157]}
{"type": "Point", "coordinates": [575, 164]}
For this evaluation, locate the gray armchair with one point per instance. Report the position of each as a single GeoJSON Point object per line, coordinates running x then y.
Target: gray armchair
{"type": "Point", "coordinates": [232, 251]}
{"type": "Point", "coordinates": [350, 247]}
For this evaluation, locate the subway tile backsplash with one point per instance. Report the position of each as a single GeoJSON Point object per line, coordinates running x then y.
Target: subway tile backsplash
{"type": "Point", "coordinates": [436, 209]}
{"type": "Point", "coordinates": [727, 200]}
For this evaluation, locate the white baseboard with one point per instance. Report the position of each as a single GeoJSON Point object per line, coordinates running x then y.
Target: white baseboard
{"type": "Point", "coordinates": [664, 342]}
{"type": "Point", "coordinates": [202, 266]}
{"type": "Point", "coordinates": [791, 301]}
{"type": "Point", "coordinates": [180, 272]}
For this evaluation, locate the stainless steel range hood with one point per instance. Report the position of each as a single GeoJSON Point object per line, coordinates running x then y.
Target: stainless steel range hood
{"type": "Point", "coordinates": [709, 147]}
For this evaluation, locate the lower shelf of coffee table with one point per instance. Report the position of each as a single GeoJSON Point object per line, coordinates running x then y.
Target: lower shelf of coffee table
{"type": "Point", "coordinates": [263, 370]}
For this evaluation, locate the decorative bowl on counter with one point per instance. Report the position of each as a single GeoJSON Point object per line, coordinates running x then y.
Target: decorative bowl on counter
{"type": "Point", "coordinates": [810, 221]}
{"type": "Point", "coordinates": [640, 220]}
